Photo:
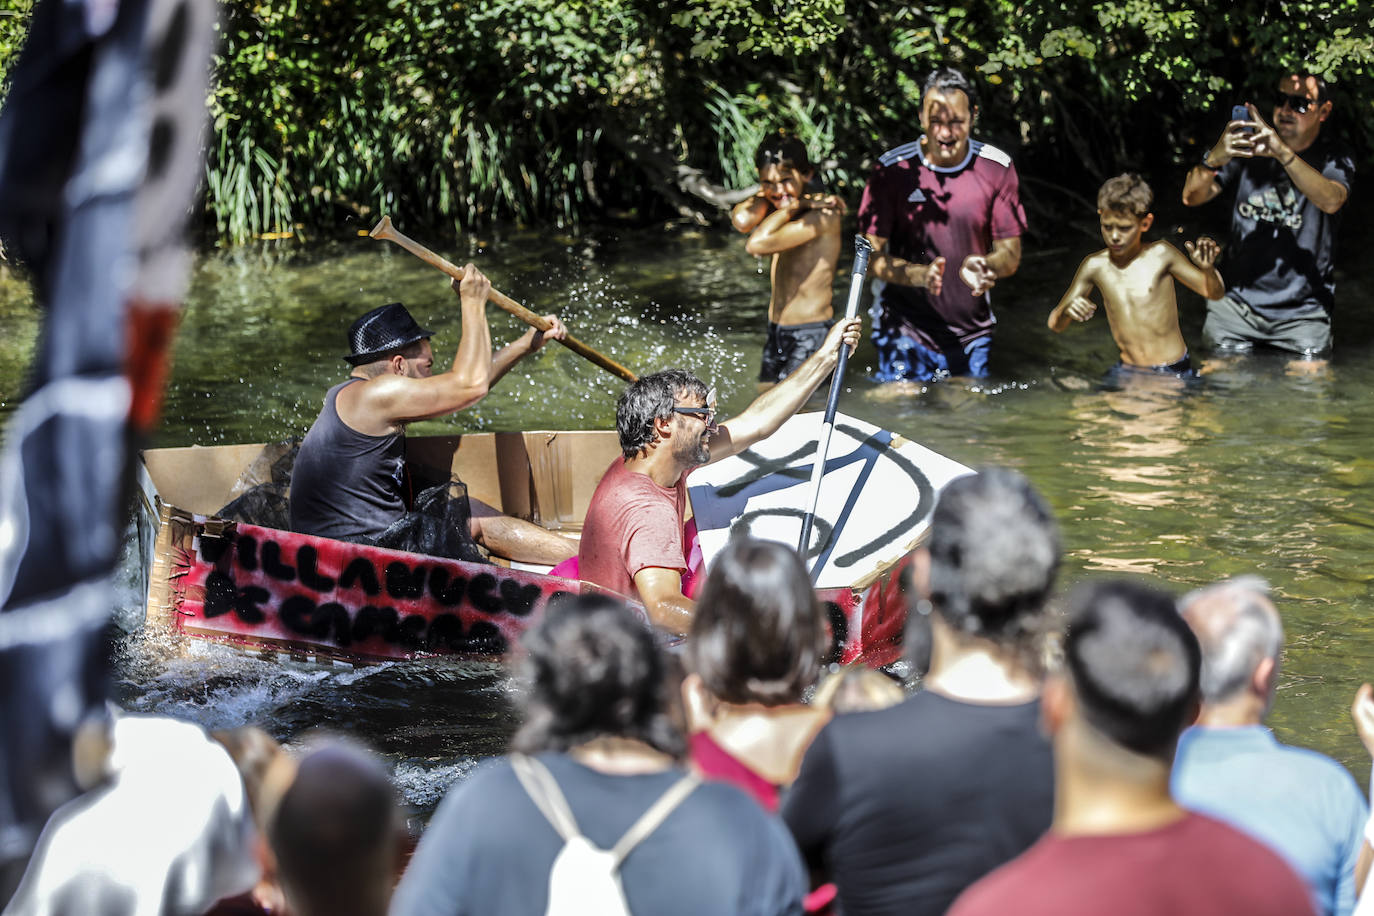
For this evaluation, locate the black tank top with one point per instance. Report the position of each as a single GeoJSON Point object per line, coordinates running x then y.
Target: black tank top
{"type": "Point", "coordinates": [346, 485]}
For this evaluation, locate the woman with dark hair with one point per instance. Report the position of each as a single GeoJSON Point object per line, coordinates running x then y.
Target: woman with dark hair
{"type": "Point", "coordinates": [597, 737]}
{"type": "Point", "coordinates": [756, 645]}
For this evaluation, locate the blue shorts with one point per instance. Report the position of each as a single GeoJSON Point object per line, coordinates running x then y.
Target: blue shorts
{"type": "Point", "coordinates": [902, 358]}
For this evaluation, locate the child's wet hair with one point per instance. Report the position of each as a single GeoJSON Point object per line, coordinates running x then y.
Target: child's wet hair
{"type": "Point", "coordinates": [783, 151]}
{"type": "Point", "coordinates": [1126, 193]}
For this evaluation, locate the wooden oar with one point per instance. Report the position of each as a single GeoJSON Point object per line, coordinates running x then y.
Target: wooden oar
{"type": "Point", "coordinates": [384, 230]}
{"type": "Point", "coordinates": [862, 249]}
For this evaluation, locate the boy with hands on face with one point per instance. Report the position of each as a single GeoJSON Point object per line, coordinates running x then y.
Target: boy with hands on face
{"type": "Point", "coordinates": [801, 232]}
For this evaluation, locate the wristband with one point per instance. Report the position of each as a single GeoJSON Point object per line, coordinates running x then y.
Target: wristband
{"type": "Point", "coordinates": [1207, 165]}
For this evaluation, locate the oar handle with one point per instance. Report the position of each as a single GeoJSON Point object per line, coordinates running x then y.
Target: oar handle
{"type": "Point", "coordinates": [385, 231]}
{"type": "Point", "coordinates": [862, 250]}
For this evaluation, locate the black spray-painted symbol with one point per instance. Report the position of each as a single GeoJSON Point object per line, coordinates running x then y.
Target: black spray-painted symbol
{"type": "Point", "coordinates": [770, 475]}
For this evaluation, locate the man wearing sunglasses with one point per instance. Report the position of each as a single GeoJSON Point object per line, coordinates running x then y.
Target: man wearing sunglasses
{"type": "Point", "coordinates": [1289, 183]}
{"type": "Point", "coordinates": [632, 539]}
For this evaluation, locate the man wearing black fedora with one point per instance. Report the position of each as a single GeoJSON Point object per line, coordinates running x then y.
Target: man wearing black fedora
{"type": "Point", "coordinates": [349, 482]}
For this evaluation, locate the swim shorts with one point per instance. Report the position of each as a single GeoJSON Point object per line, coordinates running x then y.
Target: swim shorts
{"type": "Point", "coordinates": [1182, 368]}
{"type": "Point", "coordinates": [1232, 326]}
{"type": "Point", "coordinates": [788, 346]}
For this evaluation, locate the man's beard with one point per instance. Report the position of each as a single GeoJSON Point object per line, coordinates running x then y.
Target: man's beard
{"type": "Point", "coordinates": [693, 454]}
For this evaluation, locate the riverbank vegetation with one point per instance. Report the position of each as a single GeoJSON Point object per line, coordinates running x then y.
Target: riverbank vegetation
{"type": "Point", "coordinates": [558, 112]}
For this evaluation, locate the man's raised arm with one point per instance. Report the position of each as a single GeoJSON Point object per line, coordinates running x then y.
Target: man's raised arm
{"type": "Point", "coordinates": [402, 398]}
{"type": "Point", "coordinates": [772, 408]}
{"type": "Point", "coordinates": [1329, 195]}
{"type": "Point", "coordinates": [529, 342]}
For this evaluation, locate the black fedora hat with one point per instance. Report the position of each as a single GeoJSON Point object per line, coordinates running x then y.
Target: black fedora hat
{"type": "Point", "coordinates": [382, 330]}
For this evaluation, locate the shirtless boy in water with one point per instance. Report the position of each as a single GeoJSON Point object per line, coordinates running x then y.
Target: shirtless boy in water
{"type": "Point", "coordinates": [802, 233]}
{"type": "Point", "coordinates": [1137, 281]}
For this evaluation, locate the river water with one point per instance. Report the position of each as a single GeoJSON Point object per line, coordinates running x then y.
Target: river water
{"type": "Point", "coordinates": [1254, 470]}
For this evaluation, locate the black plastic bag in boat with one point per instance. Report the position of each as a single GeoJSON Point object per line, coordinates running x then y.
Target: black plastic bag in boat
{"type": "Point", "coordinates": [437, 525]}
{"type": "Point", "coordinates": [261, 495]}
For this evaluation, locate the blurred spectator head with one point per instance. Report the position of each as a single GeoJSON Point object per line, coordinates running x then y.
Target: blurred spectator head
{"type": "Point", "coordinates": [1241, 636]}
{"type": "Point", "coordinates": [987, 567]}
{"type": "Point", "coordinates": [1133, 666]}
{"type": "Point", "coordinates": [338, 834]}
{"type": "Point", "coordinates": [758, 634]}
{"type": "Point", "coordinates": [592, 670]}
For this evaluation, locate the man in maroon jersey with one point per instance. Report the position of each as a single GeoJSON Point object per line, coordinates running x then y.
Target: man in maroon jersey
{"type": "Point", "coordinates": [945, 201]}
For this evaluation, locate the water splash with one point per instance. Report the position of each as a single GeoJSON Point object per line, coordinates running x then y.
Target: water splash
{"type": "Point", "coordinates": [423, 784]}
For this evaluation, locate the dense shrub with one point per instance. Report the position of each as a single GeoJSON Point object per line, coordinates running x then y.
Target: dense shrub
{"type": "Point", "coordinates": [555, 111]}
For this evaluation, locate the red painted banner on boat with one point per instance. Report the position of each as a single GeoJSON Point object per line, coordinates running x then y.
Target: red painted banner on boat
{"type": "Point", "coordinates": [319, 596]}
{"type": "Point", "coordinates": [292, 592]}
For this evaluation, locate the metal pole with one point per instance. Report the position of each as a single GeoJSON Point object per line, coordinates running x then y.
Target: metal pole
{"type": "Point", "coordinates": [862, 250]}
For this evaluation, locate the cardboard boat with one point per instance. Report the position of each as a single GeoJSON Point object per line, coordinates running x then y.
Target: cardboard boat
{"type": "Point", "coordinates": [269, 589]}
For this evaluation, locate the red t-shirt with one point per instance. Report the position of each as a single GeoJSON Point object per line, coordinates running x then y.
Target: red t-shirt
{"type": "Point", "coordinates": [632, 523]}
{"type": "Point", "coordinates": [927, 212]}
{"type": "Point", "coordinates": [1195, 865]}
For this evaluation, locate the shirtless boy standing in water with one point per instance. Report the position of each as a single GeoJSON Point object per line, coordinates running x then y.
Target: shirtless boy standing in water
{"type": "Point", "coordinates": [1137, 282]}
{"type": "Point", "coordinates": [802, 233]}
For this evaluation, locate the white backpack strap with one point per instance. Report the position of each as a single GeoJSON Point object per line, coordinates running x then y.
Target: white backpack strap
{"type": "Point", "coordinates": [543, 790]}
{"type": "Point", "coordinates": [650, 820]}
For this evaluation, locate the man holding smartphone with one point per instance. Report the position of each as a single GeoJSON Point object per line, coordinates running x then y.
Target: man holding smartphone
{"type": "Point", "coordinates": [1290, 183]}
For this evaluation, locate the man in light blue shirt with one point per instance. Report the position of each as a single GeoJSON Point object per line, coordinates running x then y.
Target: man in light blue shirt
{"type": "Point", "coordinates": [1303, 804]}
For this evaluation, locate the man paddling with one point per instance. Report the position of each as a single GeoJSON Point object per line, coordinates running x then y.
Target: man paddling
{"type": "Point", "coordinates": [350, 479]}
{"type": "Point", "coordinates": [632, 540]}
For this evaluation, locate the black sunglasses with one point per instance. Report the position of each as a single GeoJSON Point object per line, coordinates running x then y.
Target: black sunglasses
{"type": "Point", "coordinates": [1299, 104]}
{"type": "Point", "coordinates": [705, 414]}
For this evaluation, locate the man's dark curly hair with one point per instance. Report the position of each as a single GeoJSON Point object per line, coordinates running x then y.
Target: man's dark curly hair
{"type": "Point", "coordinates": [649, 399]}
{"type": "Point", "coordinates": [592, 670]}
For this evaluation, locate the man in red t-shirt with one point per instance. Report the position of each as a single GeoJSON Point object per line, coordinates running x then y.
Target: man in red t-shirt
{"type": "Point", "coordinates": [632, 540]}
{"type": "Point", "coordinates": [1119, 843]}
{"type": "Point", "coordinates": [942, 202]}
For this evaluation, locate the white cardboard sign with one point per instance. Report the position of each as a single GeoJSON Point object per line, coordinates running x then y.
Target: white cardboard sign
{"type": "Point", "coordinates": [875, 502]}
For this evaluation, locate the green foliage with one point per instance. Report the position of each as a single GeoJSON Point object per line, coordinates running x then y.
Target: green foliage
{"type": "Point", "coordinates": [793, 28]}
{"type": "Point", "coordinates": [441, 111]}
{"type": "Point", "coordinates": [14, 26]}
{"type": "Point", "coordinates": [453, 112]}
{"type": "Point", "coordinates": [742, 122]}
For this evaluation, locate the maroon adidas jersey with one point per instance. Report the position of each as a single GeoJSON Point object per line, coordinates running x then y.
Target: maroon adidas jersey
{"type": "Point", "coordinates": [927, 212]}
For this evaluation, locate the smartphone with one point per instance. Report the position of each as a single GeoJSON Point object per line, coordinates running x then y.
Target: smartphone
{"type": "Point", "coordinates": [1241, 113]}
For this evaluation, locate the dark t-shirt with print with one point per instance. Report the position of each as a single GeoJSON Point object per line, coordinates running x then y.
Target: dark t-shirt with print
{"type": "Point", "coordinates": [1282, 244]}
